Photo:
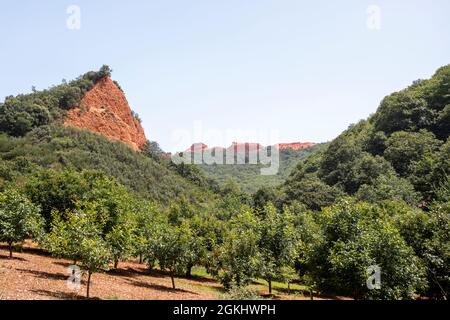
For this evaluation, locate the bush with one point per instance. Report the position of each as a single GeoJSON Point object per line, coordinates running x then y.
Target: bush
{"type": "Point", "coordinates": [240, 293]}
{"type": "Point", "coordinates": [238, 259]}
{"type": "Point", "coordinates": [19, 218]}
{"type": "Point", "coordinates": [79, 237]}
{"type": "Point", "coordinates": [356, 237]}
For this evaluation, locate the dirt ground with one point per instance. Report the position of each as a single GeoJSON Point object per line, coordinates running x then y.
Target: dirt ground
{"type": "Point", "coordinates": [33, 275]}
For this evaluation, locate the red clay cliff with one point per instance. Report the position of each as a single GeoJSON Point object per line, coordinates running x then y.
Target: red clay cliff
{"type": "Point", "coordinates": [253, 146]}
{"type": "Point", "coordinates": [296, 145]}
{"type": "Point", "coordinates": [104, 109]}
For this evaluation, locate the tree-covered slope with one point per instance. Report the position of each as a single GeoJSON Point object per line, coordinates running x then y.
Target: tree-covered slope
{"type": "Point", "coordinates": [59, 148]}
{"type": "Point", "coordinates": [22, 113]}
{"type": "Point", "coordinates": [402, 151]}
{"type": "Point", "coordinates": [32, 138]}
{"type": "Point", "coordinates": [248, 176]}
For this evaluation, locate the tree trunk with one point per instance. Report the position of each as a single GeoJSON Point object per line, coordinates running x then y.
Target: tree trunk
{"type": "Point", "coordinates": [10, 250]}
{"type": "Point", "coordinates": [311, 295]}
{"type": "Point", "coordinates": [75, 262]}
{"type": "Point", "coordinates": [116, 263]}
{"type": "Point", "coordinates": [173, 280]}
{"type": "Point", "coordinates": [189, 271]}
{"type": "Point", "coordinates": [270, 286]}
{"type": "Point", "coordinates": [88, 283]}
{"type": "Point", "coordinates": [289, 288]}
{"type": "Point", "coordinates": [140, 258]}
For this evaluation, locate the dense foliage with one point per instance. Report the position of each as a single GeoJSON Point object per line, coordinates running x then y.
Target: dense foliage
{"type": "Point", "coordinates": [248, 176]}
{"type": "Point", "coordinates": [402, 151]}
{"type": "Point", "coordinates": [63, 147]}
{"type": "Point", "coordinates": [19, 218]}
{"type": "Point", "coordinates": [397, 162]}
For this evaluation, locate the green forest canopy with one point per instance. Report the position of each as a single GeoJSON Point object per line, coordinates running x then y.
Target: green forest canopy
{"type": "Point", "coordinates": [400, 152]}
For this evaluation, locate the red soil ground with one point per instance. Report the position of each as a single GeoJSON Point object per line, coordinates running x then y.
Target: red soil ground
{"type": "Point", "coordinates": [32, 275]}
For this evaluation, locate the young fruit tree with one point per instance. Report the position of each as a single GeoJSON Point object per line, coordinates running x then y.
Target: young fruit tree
{"type": "Point", "coordinates": [19, 219]}
{"type": "Point", "coordinates": [171, 247]}
{"type": "Point", "coordinates": [120, 239]}
{"type": "Point", "coordinates": [278, 244]}
{"type": "Point", "coordinates": [79, 237]}
{"type": "Point", "coordinates": [361, 238]}
{"type": "Point", "coordinates": [95, 256]}
{"type": "Point", "coordinates": [237, 260]}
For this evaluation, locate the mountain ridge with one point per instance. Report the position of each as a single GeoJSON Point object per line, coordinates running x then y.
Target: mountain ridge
{"type": "Point", "coordinates": [200, 146]}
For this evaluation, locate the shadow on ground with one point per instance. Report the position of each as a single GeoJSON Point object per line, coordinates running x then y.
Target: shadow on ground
{"type": "Point", "coordinates": [62, 295]}
{"type": "Point", "coordinates": [45, 275]}
{"type": "Point", "coordinates": [2, 257]}
{"type": "Point", "coordinates": [153, 286]}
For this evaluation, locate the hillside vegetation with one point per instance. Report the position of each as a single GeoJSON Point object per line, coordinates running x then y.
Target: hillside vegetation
{"type": "Point", "coordinates": [60, 148]}
{"type": "Point", "coordinates": [248, 176]}
{"type": "Point", "coordinates": [20, 114]}
{"type": "Point", "coordinates": [401, 152]}
{"type": "Point", "coordinates": [34, 139]}
{"type": "Point", "coordinates": [382, 185]}
{"type": "Point", "coordinates": [376, 200]}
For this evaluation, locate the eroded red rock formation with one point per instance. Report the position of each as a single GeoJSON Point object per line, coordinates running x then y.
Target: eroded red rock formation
{"type": "Point", "coordinates": [197, 147]}
{"type": "Point", "coordinates": [104, 109]}
{"type": "Point", "coordinates": [252, 146]}
{"type": "Point", "coordinates": [295, 145]}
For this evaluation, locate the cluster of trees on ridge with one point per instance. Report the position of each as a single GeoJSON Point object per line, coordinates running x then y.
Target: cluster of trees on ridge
{"type": "Point", "coordinates": [379, 194]}
{"type": "Point", "coordinates": [20, 114]}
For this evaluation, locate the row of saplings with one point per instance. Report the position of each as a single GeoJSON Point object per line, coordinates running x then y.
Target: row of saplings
{"type": "Point", "coordinates": [97, 235]}
{"type": "Point", "coordinates": [329, 250]}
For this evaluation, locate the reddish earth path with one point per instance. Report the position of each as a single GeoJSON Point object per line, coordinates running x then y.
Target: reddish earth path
{"type": "Point", "coordinates": [32, 275]}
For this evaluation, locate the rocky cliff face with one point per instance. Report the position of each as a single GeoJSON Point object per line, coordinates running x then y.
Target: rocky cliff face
{"type": "Point", "coordinates": [295, 145]}
{"type": "Point", "coordinates": [253, 146]}
{"type": "Point", "coordinates": [105, 110]}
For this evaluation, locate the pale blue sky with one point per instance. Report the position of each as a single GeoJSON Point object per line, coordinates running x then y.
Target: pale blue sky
{"type": "Point", "coordinates": [306, 69]}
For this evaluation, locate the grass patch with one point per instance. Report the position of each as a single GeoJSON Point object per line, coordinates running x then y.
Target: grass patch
{"type": "Point", "coordinates": [280, 285]}
{"type": "Point", "coordinates": [201, 272]}
{"type": "Point", "coordinates": [258, 285]}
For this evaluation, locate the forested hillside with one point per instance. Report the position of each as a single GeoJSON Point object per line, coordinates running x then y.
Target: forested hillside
{"type": "Point", "coordinates": [32, 138]}
{"type": "Point", "coordinates": [60, 148]}
{"type": "Point", "coordinates": [20, 114]}
{"type": "Point", "coordinates": [379, 194]}
{"type": "Point", "coordinates": [401, 152]}
{"type": "Point", "coordinates": [249, 178]}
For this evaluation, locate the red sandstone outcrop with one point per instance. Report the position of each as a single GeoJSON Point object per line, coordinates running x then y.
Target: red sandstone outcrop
{"type": "Point", "coordinates": [197, 147]}
{"type": "Point", "coordinates": [295, 145]}
{"type": "Point", "coordinates": [104, 109]}
{"type": "Point", "coordinates": [249, 146]}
